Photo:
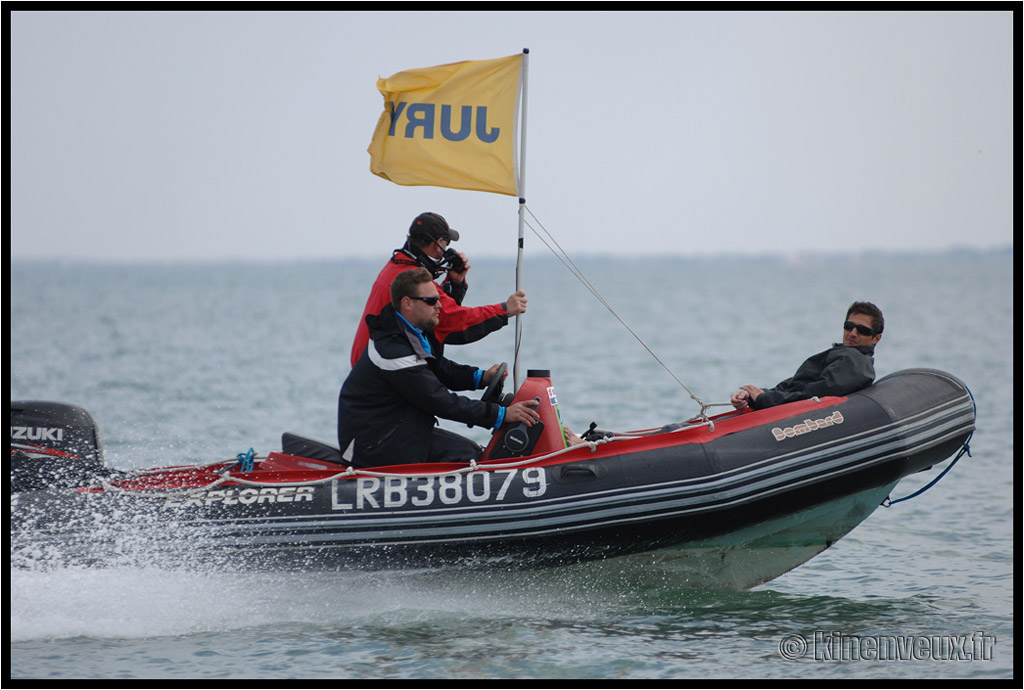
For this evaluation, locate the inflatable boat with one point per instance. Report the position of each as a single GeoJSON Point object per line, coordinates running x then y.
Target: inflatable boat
{"type": "Point", "coordinates": [742, 497]}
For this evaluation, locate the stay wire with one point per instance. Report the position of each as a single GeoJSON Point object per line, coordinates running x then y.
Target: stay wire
{"type": "Point", "coordinates": [562, 256]}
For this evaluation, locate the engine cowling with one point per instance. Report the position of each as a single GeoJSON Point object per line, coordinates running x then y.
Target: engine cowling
{"type": "Point", "coordinates": [53, 444]}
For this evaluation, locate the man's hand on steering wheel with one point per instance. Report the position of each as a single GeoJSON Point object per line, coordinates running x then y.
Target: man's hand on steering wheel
{"type": "Point", "coordinates": [495, 380]}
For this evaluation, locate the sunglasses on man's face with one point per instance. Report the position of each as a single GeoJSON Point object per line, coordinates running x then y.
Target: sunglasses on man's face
{"type": "Point", "coordinates": [863, 330]}
{"type": "Point", "coordinates": [429, 301]}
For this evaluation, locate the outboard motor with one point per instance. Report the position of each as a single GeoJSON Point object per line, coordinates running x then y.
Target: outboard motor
{"type": "Point", "coordinates": [53, 445]}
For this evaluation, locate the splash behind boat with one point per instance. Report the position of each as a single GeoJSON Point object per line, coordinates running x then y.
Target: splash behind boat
{"type": "Point", "coordinates": [740, 497]}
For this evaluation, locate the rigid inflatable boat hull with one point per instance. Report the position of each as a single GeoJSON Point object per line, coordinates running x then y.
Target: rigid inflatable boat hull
{"type": "Point", "coordinates": [750, 498]}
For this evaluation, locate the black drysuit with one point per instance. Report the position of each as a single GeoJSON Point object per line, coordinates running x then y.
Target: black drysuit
{"type": "Point", "coordinates": [840, 370]}
{"type": "Point", "coordinates": [389, 403]}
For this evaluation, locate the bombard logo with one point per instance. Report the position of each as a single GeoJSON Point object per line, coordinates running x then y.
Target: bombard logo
{"type": "Point", "coordinates": [807, 426]}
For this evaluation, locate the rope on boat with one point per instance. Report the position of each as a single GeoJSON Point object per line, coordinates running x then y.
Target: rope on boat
{"type": "Point", "coordinates": [227, 477]}
{"type": "Point", "coordinates": [246, 460]}
{"type": "Point", "coordinates": [964, 450]}
{"type": "Point", "coordinates": [561, 255]}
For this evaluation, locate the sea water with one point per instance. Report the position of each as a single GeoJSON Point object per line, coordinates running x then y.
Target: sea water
{"type": "Point", "coordinates": [197, 362]}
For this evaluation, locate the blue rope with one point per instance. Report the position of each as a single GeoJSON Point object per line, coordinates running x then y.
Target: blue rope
{"type": "Point", "coordinates": [965, 450]}
{"type": "Point", "coordinates": [246, 460]}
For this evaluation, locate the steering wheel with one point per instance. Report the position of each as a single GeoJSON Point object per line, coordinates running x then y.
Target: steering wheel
{"type": "Point", "coordinates": [494, 388]}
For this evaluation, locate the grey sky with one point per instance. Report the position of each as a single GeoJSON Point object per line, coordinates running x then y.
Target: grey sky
{"type": "Point", "coordinates": [244, 135]}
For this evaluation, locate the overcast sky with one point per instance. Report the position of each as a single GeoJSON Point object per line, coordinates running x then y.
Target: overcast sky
{"type": "Point", "coordinates": [153, 135]}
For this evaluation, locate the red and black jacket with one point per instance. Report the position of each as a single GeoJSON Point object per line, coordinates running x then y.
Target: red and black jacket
{"type": "Point", "coordinates": [457, 325]}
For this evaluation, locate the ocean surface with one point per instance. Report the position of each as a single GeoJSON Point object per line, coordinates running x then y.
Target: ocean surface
{"type": "Point", "coordinates": [182, 363]}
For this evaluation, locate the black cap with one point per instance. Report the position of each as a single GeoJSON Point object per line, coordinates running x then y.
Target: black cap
{"type": "Point", "coordinates": [432, 225]}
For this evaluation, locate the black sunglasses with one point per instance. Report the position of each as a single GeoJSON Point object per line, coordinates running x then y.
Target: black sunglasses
{"type": "Point", "coordinates": [430, 301]}
{"type": "Point", "coordinates": [863, 330]}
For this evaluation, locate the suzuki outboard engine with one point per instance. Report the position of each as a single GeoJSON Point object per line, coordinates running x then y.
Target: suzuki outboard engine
{"type": "Point", "coordinates": [52, 445]}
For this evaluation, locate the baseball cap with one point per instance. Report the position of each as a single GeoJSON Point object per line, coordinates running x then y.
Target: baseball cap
{"type": "Point", "coordinates": [433, 225]}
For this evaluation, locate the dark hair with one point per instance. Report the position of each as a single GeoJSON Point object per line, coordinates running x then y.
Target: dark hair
{"type": "Point", "coordinates": [405, 284]}
{"type": "Point", "coordinates": [868, 309]}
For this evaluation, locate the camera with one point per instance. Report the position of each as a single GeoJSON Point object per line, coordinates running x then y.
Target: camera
{"type": "Point", "coordinates": [453, 261]}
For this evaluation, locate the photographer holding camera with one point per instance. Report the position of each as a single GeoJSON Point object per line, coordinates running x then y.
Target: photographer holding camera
{"type": "Point", "coordinates": [427, 246]}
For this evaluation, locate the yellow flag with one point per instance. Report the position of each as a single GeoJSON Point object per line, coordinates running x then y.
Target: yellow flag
{"type": "Point", "coordinates": [450, 126]}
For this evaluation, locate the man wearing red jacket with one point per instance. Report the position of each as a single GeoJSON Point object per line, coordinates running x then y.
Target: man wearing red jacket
{"type": "Point", "coordinates": [426, 246]}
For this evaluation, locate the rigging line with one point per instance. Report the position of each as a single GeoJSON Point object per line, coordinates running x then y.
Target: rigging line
{"type": "Point", "coordinates": [576, 271]}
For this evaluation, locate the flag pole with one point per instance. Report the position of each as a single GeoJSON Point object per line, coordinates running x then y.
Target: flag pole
{"type": "Point", "coordinates": [522, 216]}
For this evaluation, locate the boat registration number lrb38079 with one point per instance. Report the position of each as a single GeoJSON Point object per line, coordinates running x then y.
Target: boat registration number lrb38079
{"type": "Point", "coordinates": [372, 493]}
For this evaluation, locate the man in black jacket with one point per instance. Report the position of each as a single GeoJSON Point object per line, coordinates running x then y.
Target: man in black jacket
{"type": "Point", "coordinates": [842, 369]}
{"type": "Point", "coordinates": [389, 403]}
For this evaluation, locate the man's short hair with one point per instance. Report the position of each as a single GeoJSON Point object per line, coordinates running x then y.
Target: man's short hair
{"type": "Point", "coordinates": [868, 309]}
{"type": "Point", "coordinates": [405, 284]}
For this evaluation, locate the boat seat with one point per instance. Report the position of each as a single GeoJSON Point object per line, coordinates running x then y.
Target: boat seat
{"type": "Point", "coordinates": [293, 444]}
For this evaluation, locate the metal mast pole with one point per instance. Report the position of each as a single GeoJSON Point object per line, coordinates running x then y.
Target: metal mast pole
{"type": "Point", "coordinates": [522, 215]}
